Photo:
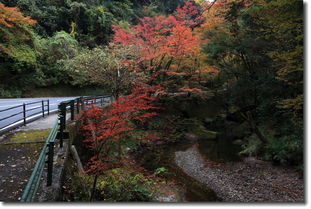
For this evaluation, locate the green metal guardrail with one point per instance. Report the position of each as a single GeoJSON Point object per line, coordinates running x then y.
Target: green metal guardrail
{"type": "Point", "coordinates": [57, 132]}
{"type": "Point", "coordinates": [34, 180]}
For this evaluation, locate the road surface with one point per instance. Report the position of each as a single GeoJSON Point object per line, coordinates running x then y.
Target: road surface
{"type": "Point", "coordinates": [36, 112]}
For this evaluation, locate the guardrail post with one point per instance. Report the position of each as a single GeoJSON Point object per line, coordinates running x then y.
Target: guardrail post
{"type": "Point", "coordinates": [50, 163]}
{"type": "Point", "coordinates": [48, 107]}
{"type": "Point", "coordinates": [62, 122]}
{"type": "Point", "coordinates": [101, 101]}
{"type": "Point", "coordinates": [82, 103]}
{"type": "Point", "coordinates": [72, 109]}
{"type": "Point", "coordinates": [42, 108]}
{"type": "Point", "coordinates": [78, 103]}
{"type": "Point", "coordinates": [63, 112]}
{"type": "Point", "coordinates": [24, 113]}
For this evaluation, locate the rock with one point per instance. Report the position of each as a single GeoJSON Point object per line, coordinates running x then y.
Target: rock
{"type": "Point", "coordinates": [168, 193]}
{"type": "Point", "coordinates": [170, 198]}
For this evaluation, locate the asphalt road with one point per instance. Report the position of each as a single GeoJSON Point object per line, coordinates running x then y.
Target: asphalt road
{"type": "Point", "coordinates": [35, 112]}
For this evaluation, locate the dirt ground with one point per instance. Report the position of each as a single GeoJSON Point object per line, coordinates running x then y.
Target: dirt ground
{"type": "Point", "coordinates": [16, 164]}
{"type": "Point", "coordinates": [18, 159]}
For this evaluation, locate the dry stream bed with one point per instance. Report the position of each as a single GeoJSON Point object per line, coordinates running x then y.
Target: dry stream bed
{"type": "Point", "coordinates": [208, 172]}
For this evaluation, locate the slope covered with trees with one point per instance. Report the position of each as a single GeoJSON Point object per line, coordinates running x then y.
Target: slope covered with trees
{"type": "Point", "coordinates": [49, 32]}
{"type": "Point", "coordinates": [240, 61]}
{"type": "Point", "coordinates": [258, 47]}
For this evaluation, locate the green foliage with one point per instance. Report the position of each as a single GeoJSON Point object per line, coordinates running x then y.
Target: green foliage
{"type": "Point", "coordinates": [285, 146]}
{"type": "Point", "coordinates": [60, 46]}
{"type": "Point", "coordinates": [61, 90]}
{"type": "Point", "coordinates": [52, 16]}
{"type": "Point", "coordinates": [169, 125]}
{"type": "Point", "coordinates": [252, 146]}
{"type": "Point", "coordinates": [102, 67]}
{"type": "Point", "coordinates": [258, 47]}
{"type": "Point", "coordinates": [18, 57]}
{"type": "Point", "coordinates": [159, 171]}
{"type": "Point", "coordinates": [117, 185]}
{"type": "Point", "coordinates": [54, 50]}
{"type": "Point", "coordinates": [195, 126]}
{"type": "Point", "coordinates": [285, 150]}
{"type": "Point", "coordinates": [287, 52]}
{"type": "Point", "coordinates": [79, 187]}
{"type": "Point", "coordinates": [10, 92]}
{"type": "Point", "coordinates": [167, 6]}
{"type": "Point", "coordinates": [122, 185]}
{"type": "Point", "coordinates": [34, 55]}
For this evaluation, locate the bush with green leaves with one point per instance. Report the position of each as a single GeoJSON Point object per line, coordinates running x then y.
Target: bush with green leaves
{"type": "Point", "coordinates": [53, 52]}
{"type": "Point", "coordinates": [251, 147]}
{"type": "Point", "coordinates": [285, 150]}
{"type": "Point", "coordinates": [124, 185]}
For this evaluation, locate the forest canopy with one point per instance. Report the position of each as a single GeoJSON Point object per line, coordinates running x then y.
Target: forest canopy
{"type": "Point", "coordinates": [251, 49]}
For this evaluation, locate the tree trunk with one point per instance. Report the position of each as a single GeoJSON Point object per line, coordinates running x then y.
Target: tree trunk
{"type": "Point", "coordinates": [93, 188]}
{"type": "Point", "coordinates": [77, 158]}
{"type": "Point", "coordinates": [249, 119]}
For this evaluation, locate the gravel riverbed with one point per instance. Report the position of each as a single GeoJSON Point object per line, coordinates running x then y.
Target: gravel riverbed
{"type": "Point", "coordinates": [250, 180]}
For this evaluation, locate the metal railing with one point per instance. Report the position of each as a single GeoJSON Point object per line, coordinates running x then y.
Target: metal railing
{"type": "Point", "coordinates": [25, 113]}
{"type": "Point", "coordinates": [57, 132]}
{"type": "Point", "coordinates": [34, 180]}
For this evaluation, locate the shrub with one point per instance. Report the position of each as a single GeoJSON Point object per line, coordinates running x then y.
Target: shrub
{"type": "Point", "coordinates": [285, 150]}
{"type": "Point", "coordinates": [252, 146]}
{"type": "Point", "coordinates": [122, 185]}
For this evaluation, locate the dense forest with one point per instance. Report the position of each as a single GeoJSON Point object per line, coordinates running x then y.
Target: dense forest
{"type": "Point", "coordinates": [248, 51]}
{"type": "Point", "coordinates": [33, 49]}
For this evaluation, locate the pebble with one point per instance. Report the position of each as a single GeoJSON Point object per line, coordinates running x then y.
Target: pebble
{"type": "Point", "coordinates": [251, 180]}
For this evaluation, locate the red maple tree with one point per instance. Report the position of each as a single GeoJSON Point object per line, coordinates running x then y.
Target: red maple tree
{"type": "Point", "coordinates": [163, 43]}
{"type": "Point", "coordinates": [106, 128]}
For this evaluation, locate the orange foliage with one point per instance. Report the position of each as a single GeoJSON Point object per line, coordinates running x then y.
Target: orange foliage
{"type": "Point", "coordinates": [182, 42]}
{"type": "Point", "coordinates": [168, 48]}
{"type": "Point", "coordinates": [172, 73]}
{"type": "Point", "coordinates": [208, 69]}
{"type": "Point", "coordinates": [165, 45]}
{"type": "Point", "coordinates": [10, 16]}
{"type": "Point", "coordinates": [186, 88]}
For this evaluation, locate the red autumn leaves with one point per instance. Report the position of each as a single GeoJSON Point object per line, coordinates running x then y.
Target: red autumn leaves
{"type": "Point", "coordinates": [163, 45]}
{"type": "Point", "coordinates": [160, 41]}
{"type": "Point", "coordinates": [105, 128]}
